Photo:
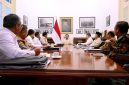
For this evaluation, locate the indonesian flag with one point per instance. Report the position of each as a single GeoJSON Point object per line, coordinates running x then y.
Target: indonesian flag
{"type": "Point", "coordinates": [56, 35]}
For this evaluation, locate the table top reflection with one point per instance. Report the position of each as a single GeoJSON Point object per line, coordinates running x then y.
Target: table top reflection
{"type": "Point", "coordinates": [74, 62]}
{"type": "Point", "coordinates": [76, 59]}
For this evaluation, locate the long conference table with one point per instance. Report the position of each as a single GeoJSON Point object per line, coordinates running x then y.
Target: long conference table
{"type": "Point", "coordinates": [74, 68]}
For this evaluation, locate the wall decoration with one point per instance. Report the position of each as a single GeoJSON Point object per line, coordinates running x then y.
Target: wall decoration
{"type": "Point", "coordinates": [49, 31]}
{"type": "Point", "coordinates": [25, 20]}
{"type": "Point", "coordinates": [87, 22]}
{"type": "Point", "coordinates": [79, 31]}
{"type": "Point", "coordinates": [91, 31]}
{"type": "Point", "coordinates": [108, 19]}
{"type": "Point", "coordinates": [66, 24]}
{"type": "Point", "coordinates": [45, 22]}
{"type": "Point", "coordinates": [9, 1]}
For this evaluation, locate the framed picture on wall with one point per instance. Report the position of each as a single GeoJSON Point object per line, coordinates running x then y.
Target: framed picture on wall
{"type": "Point", "coordinates": [45, 22]}
{"type": "Point", "coordinates": [87, 22]}
{"type": "Point", "coordinates": [66, 24]}
{"type": "Point", "coordinates": [91, 31]}
{"type": "Point", "coordinates": [25, 20]}
{"type": "Point", "coordinates": [108, 21]}
{"type": "Point", "coordinates": [49, 31]}
{"type": "Point", "coordinates": [79, 31]}
{"type": "Point", "coordinates": [9, 1]}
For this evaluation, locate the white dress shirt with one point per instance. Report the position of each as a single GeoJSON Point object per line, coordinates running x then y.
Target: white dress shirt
{"type": "Point", "coordinates": [32, 42]}
{"type": "Point", "coordinates": [44, 40]}
{"type": "Point", "coordinates": [9, 47]}
{"type": "Point", "coordinates": [36, 41]}
{"type": "Point", "coordinates": [96, 42]}
{"type": "Point", "coordinates": [88, 42]}
{"type": "Point", "coordinates": [29, 40]}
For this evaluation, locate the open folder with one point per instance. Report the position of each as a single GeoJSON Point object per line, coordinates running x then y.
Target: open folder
{"type": "Point", "coordinates": [24, 62]}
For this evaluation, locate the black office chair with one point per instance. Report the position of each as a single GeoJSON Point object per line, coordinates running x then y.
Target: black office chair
{"type": "Point", "coordinates": [100, 45]}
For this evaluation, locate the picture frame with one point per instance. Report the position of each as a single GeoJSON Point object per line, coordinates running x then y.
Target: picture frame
{"type": "Point", "coordinates": [86, 22]}
{"type": "Point", "coordinates": [79, 31]}
{"type": "Point", "coordinates": [108, 20]}
{"type": "Point", "coordinates": [49, 31]}
{"type": "Point", "coordinates": [9, 1]}
{"type": "Point", "coordinates": [46, 22]}
{"type": "Point", "coordinates": [66, 25]}
{"type": "Point", "coordinates": [25, 20]}
{"type": "Point", "coordinates": [91, 31]}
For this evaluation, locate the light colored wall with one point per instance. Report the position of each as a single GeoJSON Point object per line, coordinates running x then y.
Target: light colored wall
{"type": "Point", "coordinates": [124, 10]}
{"type": "Point", "coordinates": [69, 8]}
{"type": "Point", "coordinates": [12, 7]}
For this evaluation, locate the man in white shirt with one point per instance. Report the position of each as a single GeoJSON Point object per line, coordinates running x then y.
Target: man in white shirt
{"type": "Point", "coordinates": [67, 40]}
{"type": "Point", "coordinates": [44, 39]}
{"type": "Point", "coordinates": [97, 40]}
{"type": "Point", "coordinates": [89, 40]}
{"type": "Point", "coordinates": [36, 39]}
{"type": "Point", "coordinates": [31, 39]}
{"type": "Point", "coordinates": [9, 47]}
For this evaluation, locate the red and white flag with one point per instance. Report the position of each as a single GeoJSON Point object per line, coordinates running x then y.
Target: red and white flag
{"type": "Point", "coordinates": [56, 34]}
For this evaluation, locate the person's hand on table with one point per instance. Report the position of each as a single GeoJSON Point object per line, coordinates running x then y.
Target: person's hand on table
{"type": "Point", "coordinates": [37, 51]}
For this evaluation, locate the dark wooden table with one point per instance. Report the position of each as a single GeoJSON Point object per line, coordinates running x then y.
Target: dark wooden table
{"type": "Point", "coordinates": [75, 67]}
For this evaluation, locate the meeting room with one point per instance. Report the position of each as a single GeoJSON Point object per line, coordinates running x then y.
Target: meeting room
{"type": "Point", "coordinates": [64, 42]}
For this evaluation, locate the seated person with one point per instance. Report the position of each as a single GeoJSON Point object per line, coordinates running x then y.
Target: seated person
{"type": "Point", "coordinates": [9, 47]}
{"type": "Point", "coordinates": [30, 37]}
{"type": "Point", "coordinates": [97, 40]}
{"type": "Point", "coordinates": [36, 40]}
{"type": "Point", "coordinates": [44, 39]}
{"type": "Point", "coordinates": [89, 40]}
{"type": "Point", "coordinates": [21, 38]}
{"type": "Point", "coordinates": [122, 43]}
{"type": "Point", "coordinates": [104, 37]}
{"type": "Point", "coordinates": [110, 40]}
{"type": "Point", "coordinates": [66, 40]}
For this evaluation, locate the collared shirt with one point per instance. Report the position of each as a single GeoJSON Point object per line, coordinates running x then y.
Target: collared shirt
{"type": "Point", "coordinates": [44, 40]}
{"type": "Point", "coordinates": [88, 42]}
{"type": "Point", "coordinates": [9, 47]}
{"type": "Point", "coordinates": [96, 42]}
{"type": "Point", "coordinates": [36, 41]}
{"type": "Point", "coordinates": [31, 42]}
